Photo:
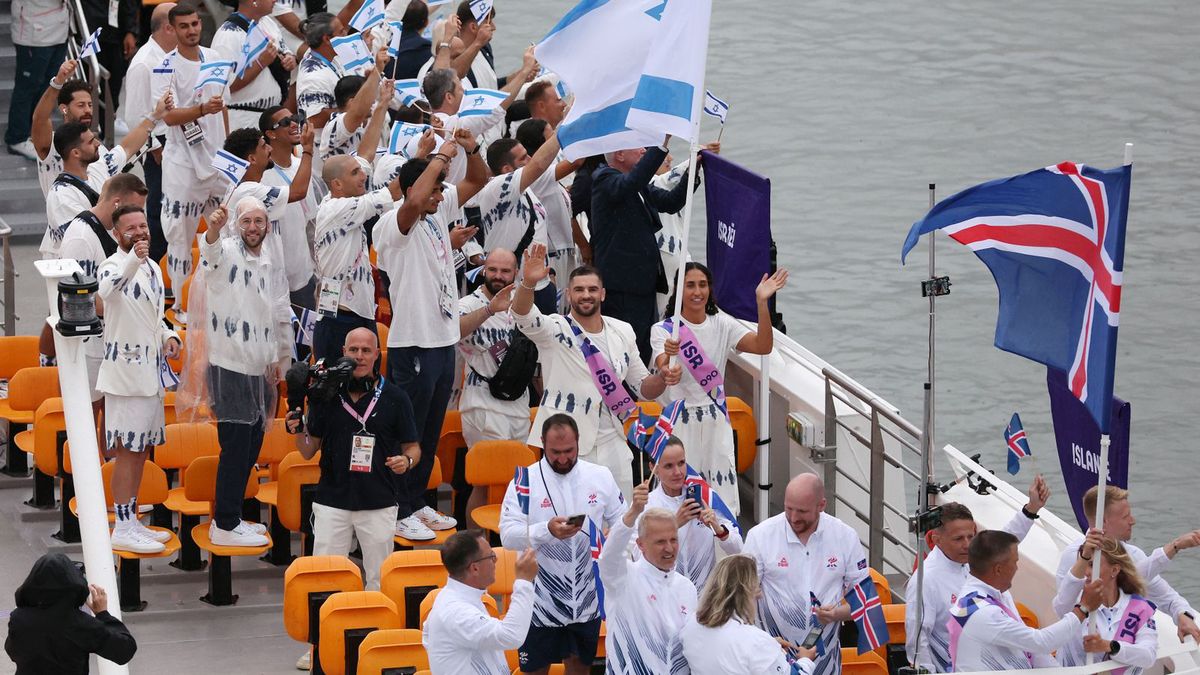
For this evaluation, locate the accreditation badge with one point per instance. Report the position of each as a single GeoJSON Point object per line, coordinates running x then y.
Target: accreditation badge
{"type": "Point", "coordinates": [362, 449]}
{"type": "Point", "coordinates": [330, 297]}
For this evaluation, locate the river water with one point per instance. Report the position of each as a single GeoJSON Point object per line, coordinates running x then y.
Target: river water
{"type": "Point", "coordinates": [852, 109]}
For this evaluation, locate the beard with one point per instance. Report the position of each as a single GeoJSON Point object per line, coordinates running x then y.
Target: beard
{"type": "Point", "coordinates": [577, 311]}
{"type": "Point", "coordinates": [494, 284]}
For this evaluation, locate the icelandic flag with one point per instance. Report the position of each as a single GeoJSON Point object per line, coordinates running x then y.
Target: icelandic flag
{"type": "Point", "coordinates": [711, 499]}
{"type": "Point", "coordinates": [231, 166]}
{"type": "Point", "coordinates": [668, 96]}
{"type": "Point", "coordinates": [481, 9]}
{"type": "Point", "coordinates": [813, 604]}
{"type": "Point", "coordinates": [402, 133]}
{"type": "Point", "coordinates": [596, 544]}
{"type": "Point", "coordinates": [368, 16]}
{"type": "Point", "coordinates": [715, 107]}
{"type": "Point", "coordinates": [394, 40]}
{"type": "Point", "coordinates": [214, 72]}
{"type": "Point", "coordinates": [256, 42]}
{"type": "Point", "coordinates": [91, 46]}
{"type": "Point", "coordinates": [1054, 240]}
{"type": "Point", "coordinates": [352, 52]}
{"type": "Point", "coordinates": [521, 486]}
{"type": "Point", "coordinates": [867, 612]}
{"type": "Point", "coordinates": [480, 102]}
{"type": "Point", "coordinates": [409, 91]}
{"type": "Point", "coordinates": [1018, 445]}
{"type": "Point", "coordinates": [642, 424]}
{"type": "Point", "coordinates": [663, 428]}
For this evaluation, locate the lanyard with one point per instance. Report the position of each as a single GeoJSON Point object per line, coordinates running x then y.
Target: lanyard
{"type": "Point", "coordinates": [362, 419]}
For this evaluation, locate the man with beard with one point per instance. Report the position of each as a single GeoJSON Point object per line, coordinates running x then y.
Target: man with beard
{"type": "Point", "coordinates": [567, 497]}
{"type": "Point", "coordinates": [136, 344]}
{"type": "Point", "coordinates": [417, 244]}
{"type": "Point", "coordinates": [247, 322]}
{"type": "Point", "coordinates": [583, 355]}
{"type": "Point", "coordinates": [805, 553]}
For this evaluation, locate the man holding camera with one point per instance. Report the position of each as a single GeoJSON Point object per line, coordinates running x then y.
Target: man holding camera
{"type": "Point", "coordinates": [365, 433]}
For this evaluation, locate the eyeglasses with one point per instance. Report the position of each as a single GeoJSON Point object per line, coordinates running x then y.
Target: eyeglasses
{"type": "Point", "coordinates": [491, 557]}
{"type": "Point", "coordinates": [298, 118]}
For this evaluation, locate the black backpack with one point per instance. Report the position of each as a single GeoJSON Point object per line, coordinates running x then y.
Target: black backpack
{"type": "Point", "coordinates": [516, 370]}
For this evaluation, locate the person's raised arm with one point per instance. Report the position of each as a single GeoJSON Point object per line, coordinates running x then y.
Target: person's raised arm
{"type": "Point", "coordinates": [539, 163]}
{"type": "Point", "coordinates": [259, 64]}
{"type": "Point", "coordinates": [483, 35]}
{"type": "Point", "coordinates": [414, 204]}
{"type": "Point", "coordinates": [215, 221]}
{"type": "Point", "coordinates": [566, 167]}
{"type": "Point", "coordinates": [441, 55]}
{"type": "Point", "coordinates": [298, 190]}
{"type": "Point", "coordinates": [762, 341]}
{"type": "Point", "coordinates": [42, 131]}
{"type": "Point", "coordinates": [369, 146]}
{"type": "Point", "coordinates": [347, 12]}
{"type": "Point", "coordinates": [360, 106]}
{"type": "Point", "coordinates": [500, 302]}
{"type": "Point", "coordinates": [614, 186]}
{"type": "Point", "coordinates": [477, 171]}
{"type": "Point", "coordinates": [533, 270]}
{"type": "Point", "coordinates": [138, 136]}
{"type": "Point", "coordinates": [526, 73]}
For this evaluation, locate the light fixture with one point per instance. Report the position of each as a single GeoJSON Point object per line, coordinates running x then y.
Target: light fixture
{"type": "Point", "coordinates": [77, 306]}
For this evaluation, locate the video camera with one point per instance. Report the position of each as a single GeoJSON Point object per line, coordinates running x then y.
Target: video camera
{"type": "Point", "coordinates": [318, 382]}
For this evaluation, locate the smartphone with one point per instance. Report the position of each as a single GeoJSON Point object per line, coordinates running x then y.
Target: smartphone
{"type": "Point", "coordinates": [576, 520]}
{"type": "Point", "coordinates": [810, 640]}
{"type": "Point", "coordinates": [693, 492]}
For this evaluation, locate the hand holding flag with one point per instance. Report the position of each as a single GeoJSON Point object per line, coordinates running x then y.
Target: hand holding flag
{"type": "Point", "coordinates": [369, 15]}
{"type": "Point", "coordinates": [352, 52]}
{"type": "Point", "coordinates": [480, 102]}
{"type": "Point", "coordinates": [214, 72]}
{"type": "Point", "coordinates": [409, 91]}
{"type": "Point", "coordinates": [481, 10]}
{"type": "Point", "coordinates": [866, 610]}
{"type": "Point", "coordinates": [91, 46]}
{"type": "Point", "coordinates": [255, 44]}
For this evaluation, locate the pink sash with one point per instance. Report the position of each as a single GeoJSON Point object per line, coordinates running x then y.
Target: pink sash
{"type": "Point", "coordinates": [963, 609]}
{"type": "Point", "coordinates": [1139, 612]}
{"type": "Point", "coordinates": [702, 369]}
{"type": "Point", "coordinates": [604, 376]}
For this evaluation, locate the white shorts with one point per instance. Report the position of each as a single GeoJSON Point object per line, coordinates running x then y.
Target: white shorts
{"type": "Point", "coordinates": [481, 424]}
{"type": "Point", "coordinates": [136, 422]}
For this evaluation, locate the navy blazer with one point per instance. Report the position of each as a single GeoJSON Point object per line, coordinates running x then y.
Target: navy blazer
{"type": "Point", "coordinates": [623, 221]}
{"type": "Point", "coordinates": [412, 53]}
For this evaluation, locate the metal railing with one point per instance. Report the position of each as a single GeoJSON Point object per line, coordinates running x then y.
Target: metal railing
{"type": "Point", "coordinates": [8, 281]}
{"type": "Point", "coordinates": [90, 69]}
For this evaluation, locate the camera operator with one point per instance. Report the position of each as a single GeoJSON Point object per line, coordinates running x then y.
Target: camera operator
{"type": "Point", "coordinates": [365, 433]}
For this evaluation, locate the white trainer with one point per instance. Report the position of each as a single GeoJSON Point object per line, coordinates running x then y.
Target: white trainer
{"type": "Point", "coordinates": [238, 536]}
{"type": "Point", "coordinates": [256, 528]}
{"type": "Point", "coordinates": [132, 540]}
{"type": "Point", "coordinates": [24, 149]}
{"type": "Point", "coordinates": [413, 529]}
{"type": "Point", "coordinates": [435, 520]}
{"type": "Point", "coordinates": [161, 536]}
{"type": "Point", "coordinates": [305, 661]}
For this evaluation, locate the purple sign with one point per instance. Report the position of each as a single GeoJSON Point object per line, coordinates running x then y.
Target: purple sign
{"type": "Point", "coordinates": [739, 233]}
{"type": "Point", "coordinates": [1078, 438]}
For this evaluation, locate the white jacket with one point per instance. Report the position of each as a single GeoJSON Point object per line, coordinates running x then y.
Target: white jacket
{"type": "Point", "coordinates": [736, 648]}
{"type": "Point", "coordinates": [134, 334]}
{"type": "Point", "coordinates": [461, 637]}
{"type": "Point", "coordinates": [697, 543]}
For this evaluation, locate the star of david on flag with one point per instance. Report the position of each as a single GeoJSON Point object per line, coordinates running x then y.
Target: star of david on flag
{"type": "Point", "coordinates": [481, 9]}
{"type": "Point", "coordinates": [409, 91]}
{"type": "Point", "coordinates": [352, 52]}
{"type": "Point", "coordinates": [214, 72]}
{"type": "Point", "coordinates": [369, 15]}
{"type": "Point", "coordinates": [1017, 443]}
{"type": "Point", "coordinates": [230, 166]}
{"type": "Point", "coordinates": [255, 43]}
{"type": "Point", "coordinates": [1054, 240]}
{"type": "Point", "coordinates": [402, 134]}
{"type": "Point", "coordinates": [480, 102]}
{"type": "Point", "coordinates": [91, 46]}
{"type": "Point", "coordinates": [715, 107]}
{"type": "Point", "coordinates": [394, 38]}
{"type": "Point", "coordinates": [866, 610]}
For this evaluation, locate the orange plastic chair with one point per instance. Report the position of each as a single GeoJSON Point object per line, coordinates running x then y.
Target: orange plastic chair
{"type": "Point", "coordinates": [439, 536]}
{"type": "Point", "coordinates": [17, 352]}
{"type": "Point", "coordinates": [351, 611]}
{"type": "Point", "coordinates": [490, 465]}
{"type": "Point", "coordinates": [506, 575]}
{"type": "Point", "coordinates": [870, 663]}
{"type": "Point", "coordinates": [1028, 616]}
{"type": "Point", "coordinates": [201, 487]}
{"type": "Point", "coordinates": [451, 444]}
{"type": "Point", "coordinates": [294, 473]}
{"type": "Point", "coordinates": [489, 603]}
{"type": "Point", "coordinates": [894, 616]}
{"type": "Point", "coordinates": [745, 433]}
{"type": "Point", "coordinates": [185, 442]}
{"type": "Point", "coordinates": [407, 577]}
{"type": "Point", "coordinates": [152, 490]}
{"type": "Point", "coordinates": [882, 587]}
{"type": "Point", "coordinates": [27, 388]}
{"type": "Point", "coordinates": [308, 582]}
{"type": "Point", "coordinates": [43, 441]}
{"type": "Point", "coordinates": [391, 648]}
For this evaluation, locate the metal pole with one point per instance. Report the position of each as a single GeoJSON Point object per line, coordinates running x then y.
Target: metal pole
{"type": "Point", "coordinates": [763, 408]}
{"type": "Point", "coordinates": [926, 436]}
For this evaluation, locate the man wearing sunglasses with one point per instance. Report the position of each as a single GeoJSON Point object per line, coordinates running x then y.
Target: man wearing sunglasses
{"type": "Point", "coordinates": [282, 131]}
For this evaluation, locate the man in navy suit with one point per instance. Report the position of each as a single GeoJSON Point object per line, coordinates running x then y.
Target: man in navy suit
{"type": "Point", "coordinates": [624, 218]}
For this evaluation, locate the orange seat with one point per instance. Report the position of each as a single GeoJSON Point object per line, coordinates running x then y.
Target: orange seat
{"type": "Point", "coordinates": [644, 408]}
{"type": "Point", "coordinates": [186, 442]}
{"type": "Point", "coordinates": [489, 603]}
{"type": "Point", "coordinates": [439, 536]}
{"type": "Point", "coordinates": [870, 663]}
{"type": "Point", "coordinates": [308, 582]}
{"type": "Point", "coordinates": [882, 587]}
{"type": "Point", "coordinates": [201, 487]}
{"type": "Point", "coordinates": [894, 616]}
{"type": "Point", "coordinates": [506, 575]}
{"type": "Point", "coordinates": [491, 465]}
{"type": "Point", "coordinates": [151, 491]}
{"type": "Point", "coordinates": [1028, 616]}
{"type": "Point", "coordinates": [450, 443]}
{"type": "Point", "coordinates": [346, 611]}
{"type": "Point", "coordinates": [407, 576]}
{"type": "Point", "coordinates": [49, 435]}
{"type": "Point", "coordinates": [294, 473]}
{"type": "Point", "coordinates": [27, 388]}
{"type": "Point", "coordinates": [383, 650]}
{"type": "Point", "coordinates": [745, 433]}
{"type": "Point", "coordinates": [17, 352]}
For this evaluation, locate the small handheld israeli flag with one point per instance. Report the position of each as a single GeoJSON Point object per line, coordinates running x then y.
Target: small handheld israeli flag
{"type": "Point", "coordinates": [231, 166]}
{"type": "Point", "coordinates": [1018, 445]}
{"type": "Point", "coordinates": [715, 107]}
{"type": "Point", "coordinates": [402, 134]}
{"type": "Point", "coordinates": [352, 52]}
{"type": "Point", "coordinates": [166, 375]}
{"type": "Point", "coordinates": [256, 43]}
{"type": "Point", "coordinates": [561, 88]}
{"type": "Point", "coordinates": [394, 40]}
{"type": "Point", "coordinates": [167, 66]}
{"type": "Point", "coordinates": [368, 15]}
{"type": "Point", "coordinates": [481, 9]}
{"type": "Point", "coordinates": [214, 72]}
{"type": "Point", "coordinates": [409, 91]}
{"type": "Point", "coordinates": [92, 46]}
{"type": "Point", "coordinates": [480, 102]}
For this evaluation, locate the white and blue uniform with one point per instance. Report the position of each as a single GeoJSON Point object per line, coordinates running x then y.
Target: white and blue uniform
{"type": "Point", "coordinates": [1139, 654]}
{"type": "Point", "coordinates": [1158, 591]}
{"type": "Point", "coordinates": [697, 543]}
{"type": "Point", "coordinates": [995, 639]}
{"type": "Point", "coordinates": [645, 608]}
{"type": "Point", "coordinates": [736, 647]}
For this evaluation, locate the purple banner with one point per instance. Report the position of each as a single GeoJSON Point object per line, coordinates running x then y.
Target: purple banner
{"type": "Point", "coordinates": [1078, 438]}
{"type": "Point", "coordinates": [739, 233]}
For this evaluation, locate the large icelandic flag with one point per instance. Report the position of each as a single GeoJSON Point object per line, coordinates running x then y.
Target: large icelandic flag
{"type": "Point", "coordinates": [1017, 444]}
{"type": "Point", "coordinates": [480, 102]}
{"type": "Point", "coordinates": [1054, 240]}
{"type": "Point", "coordinates": [231, 166]}
{"type": "Point", "coordinates": [369, 15]}
{"type": "Point", "coordinates": [671, 86]}
{"type": "Point", "coordinates": [596, 545]}
{"type": "Point", "coordinates": [866, 610]}
{"type": "Point", "coordinates": [352, 52]}
{"type": "Point", "coordinates": [256, 42]}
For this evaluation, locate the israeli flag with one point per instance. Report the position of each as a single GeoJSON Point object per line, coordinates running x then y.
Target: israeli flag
{"type": "Point", "coordinates": [402, 134]}
{"type": "Point", "coordinates": [561, 88]}
{"type": "Point", "coordinates": [368, 16]}
{"type": "Point", "coordinates": [230, 166]}
{"type": "Point", "coordinates": [667, 99]}
{"type": "Point", "coordinates": [214, 72]}
{"type": "Point", "coordinates": [480, 102]}
{"type": "Point", "coordinates": [482, 9]}
{"type": "Point", "coordinates": [409, 91]}
{"type": "Point", "coordinates": [715, 107]}
{"type": "Point", "coordinates": [436, 3]}
{"type": "Point", "coordinates": [167, 66]}
{"type": "Point", "coordinates": [352, 52]}
{"type": "Point", "coordinates": [166, 375]}
{"type": "Point", "coordinates": [394, 40]}
{"type": "Point", "coordinates": [256, 43]}
{"type": "Point", "coordinates": [92, 46]}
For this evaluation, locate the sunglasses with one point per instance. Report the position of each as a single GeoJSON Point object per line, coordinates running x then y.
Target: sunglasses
{"type": "Point", "coordinates": [297, 119]}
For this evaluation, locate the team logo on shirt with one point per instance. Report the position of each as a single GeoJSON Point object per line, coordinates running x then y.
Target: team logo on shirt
{"type": "Point", "coordinates": [546, 503]}
{"type": "Point", "coordinates": [831, 563]}
{"type": "Point", "coordinates": [862, 564]}
{"type": "Point", "coordinates": [592, 498]}
{"type": "Point", "coordinates": [682, 610]}
{"type": "Point", "coordinates": [954, 598]}
{"type": "Point", "coordinates": [653, 598]}
{"type": "Point", "coordinates": [783, 562]}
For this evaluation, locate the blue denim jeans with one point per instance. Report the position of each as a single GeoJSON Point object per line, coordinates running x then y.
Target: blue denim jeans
{"type": "Point", "coordinates": [35, 67]}
{"type": "Point", "coordinates": [427, 376]}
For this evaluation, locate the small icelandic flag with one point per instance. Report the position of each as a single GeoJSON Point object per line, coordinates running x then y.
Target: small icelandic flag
{"type": "Point", "coordinates": [352, 52]}
{"type": "Point", "coordinates": [402, 133]}
{"type": "Point", "coordinates": [480, 102]}
{"type": "Point", "coordinates": [92, 46]}
{"type": "Point", "coordinates": [866, 609]}
{"type": "Point", "coordinates": [213, 72]}
{"type": "Point", "coordinates": [256, 43]}
{"type": "Point", "coordinates": [481, 9]}
{"type": "Point", "coordinates": [712, 499]}
{"type": "Point", "coordinates": [642, 424]}
{"type": "Point", "coordinates": [596, 543]}
{"type": "Point", "coordinates": [814, 603]}
{"type": "Point", "coordinates": [521, 486]}
{"type": "Point", "coordinates": [715, 107]}
{"type": "Point", "coordinates": [394, 39]}
{"type": "Point", "coordinates": [1018, 445]}
{"type": "Point", "coordinates": [368, 16]}
{"type": "Point", "coordinates": [663, 428]}
{"type": "Point", "coordinates": [231, 166]}
{"type": "Point", "coordinates": [409, 91]}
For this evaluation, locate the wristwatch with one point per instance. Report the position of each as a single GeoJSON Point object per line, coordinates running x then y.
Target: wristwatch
{"type": "Point", "coordinates": [1031, 516]}
{"type": "Point", "coordinates": [1113, 647]}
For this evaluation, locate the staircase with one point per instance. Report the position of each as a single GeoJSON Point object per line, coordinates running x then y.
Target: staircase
{"type": "Point", "coordinates": [21, 203]}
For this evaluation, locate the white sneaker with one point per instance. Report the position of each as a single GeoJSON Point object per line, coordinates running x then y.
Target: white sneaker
{"type": "Point", "coordinates": [256, 528]}
{"type": "Point", "coordinates": [305, 661]}
{"type": "Point", "coordinates": [161, 536]}
{"type": "Point", "coordinates": [25, 149]}
{"type": "Point", "coordinates": [238, 536]}
{"type": "Point", "coordinates": [132, 540]}
{"type": "Point", "coordinates": [435, 520]}
{"type": "Point", "coordinates": [413, 529]}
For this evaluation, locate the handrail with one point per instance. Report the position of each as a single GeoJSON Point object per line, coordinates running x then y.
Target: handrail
{"type": "Point", "coordinates": [99, 75]}
{"type": "Point", "coordinates": [9, 280]}
{"type": "Point", "coordinates": [871, 399]}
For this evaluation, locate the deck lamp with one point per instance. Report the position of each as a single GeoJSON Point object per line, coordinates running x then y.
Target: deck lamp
{"type": "Point", "coordinates": [77, 306]}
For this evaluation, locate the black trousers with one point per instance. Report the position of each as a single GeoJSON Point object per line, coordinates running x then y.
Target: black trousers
{"type": "Point", "coordinates": [236, 400]}
{"type": "Point", "coordinates": [636, 309]}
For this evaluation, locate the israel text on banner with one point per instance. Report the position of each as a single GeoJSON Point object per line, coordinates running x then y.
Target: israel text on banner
{"type": "Point", "coordinates": [1077, 437]}
{"type": "Point", "coordinates": [480, 102]}
{"type": "Point", "coordinates": [231, 166]}
{"type": "Point", "coordinates": [669, 91]}
{"type": "Point", "coordinates": [215, 73]}
{"type": "Point", "coordinates": [368, 16]}
{"type": "Point", "coordinates": [715, 107]}
{"type": "Point", "coordinates": [352, 52]}
{"type": "Point", "coordinates": [408, 91]}
{"type": "Point", "coordinates": [739, 233]}
{"type": "Point", "coordinates": [255, 44]}
{"type": "Point", "coordinates": [1054, 240]}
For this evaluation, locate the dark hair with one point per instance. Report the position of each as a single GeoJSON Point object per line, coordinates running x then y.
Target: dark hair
{"type": "Point", "coordinates": [582, 271]}
{"type": "Point", "coordinates": [535, 90]}
{"type": "Point", "coordinates": [124, 184]}
{"type": "Point", "coordinates": [559, 420]}
{"type": "Point", "coordinates": [416, 16]}
{"type": "Point", "coordinates": [710, 307]}
{"type": "Point", "coordinates": [264, 120]}
{"type": "Point", "coordinates": [316, 28]}
{"type": "Point", "coordinates": [517, 112]}
{"type": "Point", "coordinates": [412, 113]}
{"type": "Point", "coordinates": [532, 134]}
{"type": "Point", "coordinates": [184, 8]}
{"type": "Point", "coordinates": [243, 142]}
{"type": "Point", "coordinates": [466, 15]}
{"type": "Point", "coordinates": [69, 136]}
{"type": "Point", "coordinates": [460, 550]}
{"type": "Point", "coordinates": [952, 511]}
{"type": "Point", "coordinates": [500, 153]}
{"type": "Point", "coordinates": [346, 88]}
{"type": "Point", "coordinates": [987, 548]}
{"type": "Point", "coordinates": [72, 87]}
{"type": "Point", "coordinates": [411, 171]}
{"type": "Point", "coordinates": [438, 84]}
{"type": "Point", "coordinates": [126, 209]}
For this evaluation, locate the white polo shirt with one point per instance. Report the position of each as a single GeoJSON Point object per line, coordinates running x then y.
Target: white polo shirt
{"type": "Point", "coordinates": [341, 246]}
{"type": "Point", "coordinates": [736, 647]}
{"type": "Point", "coordinates": [697, 542]}
{"type": "Point", "coordinates": [992, 639]}
{"type": "Point", "coordinates": [461, 637]}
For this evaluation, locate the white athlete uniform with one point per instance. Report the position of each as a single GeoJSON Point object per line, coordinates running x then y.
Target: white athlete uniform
{"type": "Point", "coordinates": [1139, 654]}
{"type": "Point", "coordinates": [1158, 591]}
{"type": "Point", "coordinates": [992, 639]}
{"type": "Point", "coordinates": [736, 647]}
{"type": "Point", "coordinates": [461, 638]}
{"type": "Point", "coordinates": [697, 543]}
{"type": "Point", "coordinates": [485, 417]}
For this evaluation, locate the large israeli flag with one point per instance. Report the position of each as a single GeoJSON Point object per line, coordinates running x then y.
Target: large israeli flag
{"type": "Point", "coordinates": [480, 102]}
{"type": "Point", "coordinates": [671, 86]}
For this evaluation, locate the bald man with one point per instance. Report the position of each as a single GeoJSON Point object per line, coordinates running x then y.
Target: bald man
{"type": "Point", "coordinates": [365, 434]}
{"type": "Point", "coordinates": [804, 553]}
{"type": "Point", "coordinates": [137, 102]}
{"type": "Point", "coordinates": [346, 291]}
